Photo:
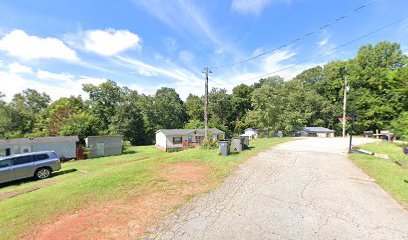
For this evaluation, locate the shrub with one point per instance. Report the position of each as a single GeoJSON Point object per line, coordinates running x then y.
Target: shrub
{"type": "Point", "coordinates": [209, 143]}
{"type": "Point", "coordinates": [400, 126]}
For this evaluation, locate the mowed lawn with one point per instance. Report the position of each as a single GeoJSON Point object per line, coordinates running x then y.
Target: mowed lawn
{"type": "Point", "coordinates": [89, 182]}
{"type": "Point", "coordinates": [390, 176]}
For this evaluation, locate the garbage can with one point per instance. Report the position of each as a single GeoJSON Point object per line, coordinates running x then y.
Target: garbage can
{"type": "Point", "coordinates": [246, 142]}
{"type": "Point", "coordinates": [224, 147]}
{"type": "Point", "coordinates": [238, 143]}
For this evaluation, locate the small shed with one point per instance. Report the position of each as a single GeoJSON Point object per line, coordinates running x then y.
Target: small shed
{"type": "Point", "coordinates": [317, 132]}
{"type": "Point", "coordinates": [63, 146]}
{"type": "Point", "coordinates": [100, 146]}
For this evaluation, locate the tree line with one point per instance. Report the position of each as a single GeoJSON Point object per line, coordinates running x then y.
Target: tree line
{"type": "Point", "coordinates": [378, 78]}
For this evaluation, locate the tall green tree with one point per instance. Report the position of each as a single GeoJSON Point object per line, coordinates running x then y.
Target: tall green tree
{"type": "Point", "coordinates": [220, 110]}
{"type": "Point", "coordinates": [25, 107]}
{"type": "Point", "coordinates": [103, 100]}
{"type": "Point", "coordinates": [56, 115]}
{"type": "Point", "coordinates": [128, 120]}
{"type": "Point", "coordinates": [377, 95]}
{"type": "Point", "coordinates": [169, 109]}
{"type": "Point", "coordinates": [82, 125]}
{"type": "Point", "coordinates": [241, 103]}
{"type": "Point", "coordinates": [195, 107]}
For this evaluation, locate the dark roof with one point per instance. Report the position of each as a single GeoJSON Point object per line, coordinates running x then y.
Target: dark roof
{"type": "Point", "coordinates": [317, 130]}
{"type": "Point", "coordinates": [18, 141]}
{"type": "Point", "coordinates": [175, 132]}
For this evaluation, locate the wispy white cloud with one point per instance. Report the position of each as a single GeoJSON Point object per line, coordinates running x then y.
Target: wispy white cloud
{"type": "Point", "coordinates": [19, 44]}
{"type": "Point", "coordinates": [278, 61]}
{"type": "Point", "coordinates": [185, 17]}
{"type": "Point", "coordinates": [175, 73]}
{"type": "Point", "coordinates": [186, 56]}
{"type": "Point", "coordinates": [18, 68]}
{"type": "Point", "coordinates": [253, 6]}
{"type": "Point", "coordinates": [171, 44]}
{"type": "Point", "coordinates": [45, 75]}
{"type": "Point", "coordinates": [323, 42]}
{"type": "Point", "coordinates": [185, 81]}
{"type": "Point", "coordinates": [250, 6]}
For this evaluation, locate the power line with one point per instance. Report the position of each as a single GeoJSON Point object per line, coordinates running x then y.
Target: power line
{"type": "Point", "coordinates": [329, 51]}
{"type": "Point", "coordinates": [297, 39]}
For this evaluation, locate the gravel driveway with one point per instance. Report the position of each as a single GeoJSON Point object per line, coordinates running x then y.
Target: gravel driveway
{"type": "Point", "coordinates": [305, 189]}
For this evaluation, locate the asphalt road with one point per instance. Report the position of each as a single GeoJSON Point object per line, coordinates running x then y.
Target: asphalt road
{"type": "Point", "coordinates": [306, 189]}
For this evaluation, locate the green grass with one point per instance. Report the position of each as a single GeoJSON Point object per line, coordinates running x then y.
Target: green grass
{"type": "Point", "coordinates": [96, 181]}
{"type": "Point", "coordinates": [390, 176]}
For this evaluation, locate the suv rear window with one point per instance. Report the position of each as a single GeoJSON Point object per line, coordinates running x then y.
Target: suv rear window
{"type": "Point", "coordinates": [40, 157]}
{"type": "Point", "coordinates": [22, 160]}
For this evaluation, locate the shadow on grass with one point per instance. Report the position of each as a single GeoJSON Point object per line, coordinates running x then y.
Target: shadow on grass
{"type": "Point", "coordinates": [130, 152]}
{"type": "Point", "coordinates": [27, 180]}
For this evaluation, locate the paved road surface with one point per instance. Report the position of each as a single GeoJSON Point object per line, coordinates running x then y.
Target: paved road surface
{"type": "Point", "coordinates": [306, 189]}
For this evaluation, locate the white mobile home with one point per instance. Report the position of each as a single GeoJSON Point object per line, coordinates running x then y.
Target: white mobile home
{"type": "Point", "coordinates": [63, 146]}
{"type": "Point", "coordinates": [317, 132]}
{"type": "Point", "coordinates": [175, 138]}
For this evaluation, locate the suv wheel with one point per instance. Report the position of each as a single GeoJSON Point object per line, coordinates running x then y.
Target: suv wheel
{"type": "Point", "coordinates": [42, 173]}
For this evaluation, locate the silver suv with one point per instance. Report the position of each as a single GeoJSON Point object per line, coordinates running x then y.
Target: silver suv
{"type": "Point", "coordinates": [34, 164]}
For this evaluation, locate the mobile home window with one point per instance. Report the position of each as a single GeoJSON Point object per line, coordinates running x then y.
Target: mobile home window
{"type": "Point", "coordinates": [177, 140]}
{"type": "Point", "coordinates": [200, 138]}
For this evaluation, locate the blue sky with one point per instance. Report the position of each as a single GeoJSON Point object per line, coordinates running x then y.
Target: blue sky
{"type": "Point", "coordinates": [56, 46]}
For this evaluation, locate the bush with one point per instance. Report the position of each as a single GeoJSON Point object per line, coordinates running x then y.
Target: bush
{"type": "Point", "coordinates": [126, 145]}
{"type": "Point", "coordinates": [400, 126]}
{"type": "Point", "coordinates": [209, 143]}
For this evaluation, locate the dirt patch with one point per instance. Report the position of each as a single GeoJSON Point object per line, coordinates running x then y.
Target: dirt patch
{"type": "Point", "coordinates": [128, 218]}
{"type": "Point", "coordinates": [188, 171]}
{"type": "Point", "coordinates": [127, 162]}
{"type": "Point", "coordinates": [7, 195]}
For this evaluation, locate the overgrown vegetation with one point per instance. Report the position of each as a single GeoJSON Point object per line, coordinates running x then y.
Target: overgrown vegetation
{"type": "Point", "coordinates": [378, 77]}
{"type": "Point", "coordinates": [101, 179]}
{"type": "Point", "coordinates": [390, 176]}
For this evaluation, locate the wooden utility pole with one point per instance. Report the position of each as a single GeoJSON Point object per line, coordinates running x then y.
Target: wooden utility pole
{"type": "Point", "coordinates": [344, 106]}
{"type": "Point", "coordinates": [206, 104]}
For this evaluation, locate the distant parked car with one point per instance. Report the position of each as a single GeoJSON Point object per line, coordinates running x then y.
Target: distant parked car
{"type": "Point", "coordinates": [35, 164]}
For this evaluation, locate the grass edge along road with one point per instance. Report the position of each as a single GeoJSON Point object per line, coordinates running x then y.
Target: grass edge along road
{"type": "Point", "coordinates": [123, 178]}
{"type": "Point", "coordinates": [390, 176]}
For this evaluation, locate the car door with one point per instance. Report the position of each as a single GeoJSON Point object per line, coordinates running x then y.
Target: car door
{"type": "Point", "coordinates": [6, 173]}
{"type": "Point", "coordinates": [23, 166]}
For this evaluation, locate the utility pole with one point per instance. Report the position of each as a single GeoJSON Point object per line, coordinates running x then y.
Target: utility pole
{"type": "Point", "coordinates": [346, 89]}
{"type": "Point", "coordinates": [351, 133]}
{"type": "Point", "coordinates": [206, 104]}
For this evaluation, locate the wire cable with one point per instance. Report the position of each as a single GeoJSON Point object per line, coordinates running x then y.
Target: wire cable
{"type": "Point", "coordinates": [297, 39]}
